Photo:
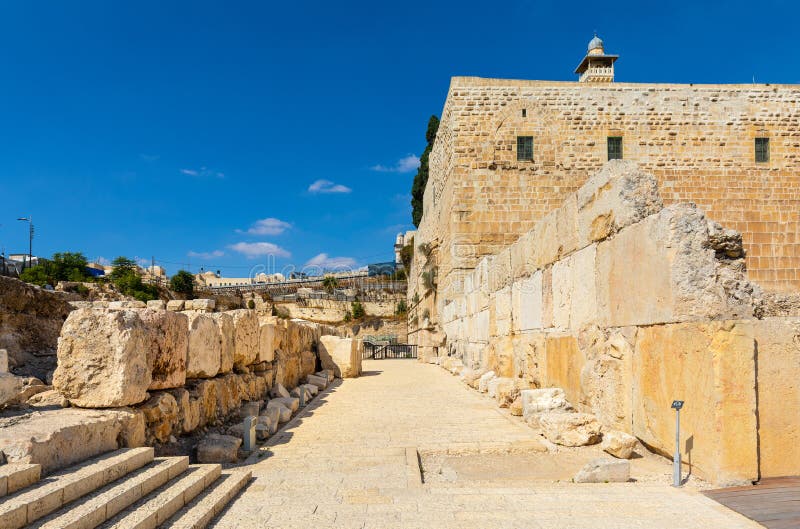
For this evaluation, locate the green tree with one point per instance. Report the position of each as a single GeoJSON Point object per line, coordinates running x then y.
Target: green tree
{"type": "Point", "coordinates": [183, 283]}
{"type": "Point", "coordinates": [401, 308]}
{"type": "Point", "coordinates": [421, 178]}
{"type": "Point", "coordinates": [36, 275]}
{"type": "Point", "coordinates": [123, 266]}
{"type": "Point", "coordinates": [358, 310]}
{"type": "Point", "coordinates": [329, 284]}
{"type": "Point", "coordinates": [407, 254]}
{"type": "Point", "coordinates": [63, 266]}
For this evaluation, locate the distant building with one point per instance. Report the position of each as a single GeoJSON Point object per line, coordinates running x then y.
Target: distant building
{"type": "Point", "coordinates": [212, 280]}
{"type": "Point", "coordinates": [402, 240]}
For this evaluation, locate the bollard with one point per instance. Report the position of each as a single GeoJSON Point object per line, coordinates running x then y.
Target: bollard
{"type": "Point", "coordinates": [249, 433]}
{"type": "Point", "coordinates": [676, 460]}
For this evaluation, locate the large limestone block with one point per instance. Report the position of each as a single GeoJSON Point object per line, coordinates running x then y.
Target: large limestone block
{"type": "Point", "coordinates": [481, 326]}
{"type": "Point", "coordinates": [545, 400]}
{"type": "Point", "coordinates": [526, 303]}
{"type": "Point", "coordinates": [10, 388]}
{"type": "Point", "coordinates": [618, 444]}
{"type": "Point", "coordinates": [500, 312]}
{"type": "Point", "coordinates": [215, 448]}
{"type": "Point", "coordinates": [308, 363]}
{"type": "Point", "coordinates": [500, 357]}
{"type": "Point", "coordinates": [673, 253]}
{"type": "Point", "coordinates": [227, 331]}
{"type": "Point", "coordinates": [287, 368]}
{"type": "Point", "coordinates": [562, 293]}
{"type": "Point", "coordinates": [340, 355]}
{"type": "Point", "coordinates": [157, 304]}
{"type": "Point", "coordinates": [604, 470]}
{"type": "Point", "coordinates": [284, 413]}
{"type": "Point", "coordinates": [563, 364]}
{"type": "Point", "coordinates": [246, 342]}
{"type": "Point", "coordinates": [607, 374]}
{"type": "Point", "coordinates": [205, 346]}
{"type": "Point", "coordinates": [568, 429]}
{"type": "Point", "coordinates": [176, 304]}
{"type": "Point", "coordinates": [619, 195]}
{"type": "Point", "coordinates": [500, 270]}
{"type": "Point", "coordinates": [556, 234]}
{"type": "Point", "coordinates": [168, 334]}
{"type": "Point", "coordinates": [102, 360]}
{"type": "Point", "coordinates": [161, 415]}
{"type": "Point", "coordinates": [266, 342]}
{"type": "Point", "coordinates": [778, 349]}
{"type": "Point", "coordinates": [205, 394]}
{"type": "Point", "coordinates": [483, 381]}
{"type": "Point", "coordinates": [710, 366]}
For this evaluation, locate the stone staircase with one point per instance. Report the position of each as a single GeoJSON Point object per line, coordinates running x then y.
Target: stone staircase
{"type": "Point", "coordinates": [127, 488]}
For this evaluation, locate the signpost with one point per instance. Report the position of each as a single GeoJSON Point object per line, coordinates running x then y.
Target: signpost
{"type": "Point", "coordinates": [676, 460]}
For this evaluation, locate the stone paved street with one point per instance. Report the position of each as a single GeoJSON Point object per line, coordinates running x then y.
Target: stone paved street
{"type": "Point", "coordinates": [350, 460]}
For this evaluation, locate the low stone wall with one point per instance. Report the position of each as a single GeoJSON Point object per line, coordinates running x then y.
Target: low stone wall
{"type": "Point", "coordinates": [330, 311]}
{"type": "Point", "coordinates": [628, 305]}
{"type": "Point", "coordinates": [182, 370]}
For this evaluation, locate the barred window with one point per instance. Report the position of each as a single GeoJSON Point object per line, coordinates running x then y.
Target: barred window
{"type": "Point", "coordinates": [762, 150]}
{"type": "Point", "coordinates": [524, 148]}
{"type": "Point", "coordinates": [615, 147]}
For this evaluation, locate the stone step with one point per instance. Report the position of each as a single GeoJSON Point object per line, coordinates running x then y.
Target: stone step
{"type": "Point", "coordinates": [157, 508]}
{"type": "Point", "coordinates": [17, 476]}
{"type": "Point", "coordinates": [61, 488]}
{"type": "Point", "coordinates": [109, 501]}
{"type": "Point", "coordinates": [205, 507]}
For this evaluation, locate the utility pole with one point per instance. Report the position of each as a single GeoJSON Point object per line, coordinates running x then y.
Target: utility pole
{"type": "Point", "coordinates": [29, 220]}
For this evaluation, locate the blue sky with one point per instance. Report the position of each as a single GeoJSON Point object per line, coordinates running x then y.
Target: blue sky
{"type": "Point", "coordinates": [212, 133]}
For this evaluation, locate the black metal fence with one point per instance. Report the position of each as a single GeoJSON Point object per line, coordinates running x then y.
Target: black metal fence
{"type": "Point", "coordinates": [374, 351]}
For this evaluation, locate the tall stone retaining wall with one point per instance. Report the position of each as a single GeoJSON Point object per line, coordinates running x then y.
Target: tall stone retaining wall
{"type": "Point", "coordinates": [628, 305]}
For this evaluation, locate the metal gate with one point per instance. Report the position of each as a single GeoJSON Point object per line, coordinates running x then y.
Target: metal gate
{"type": "Point", "coordinates": [374, 351]}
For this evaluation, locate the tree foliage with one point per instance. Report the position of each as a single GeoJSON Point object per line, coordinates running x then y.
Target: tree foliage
{"type": "Point", "coordinates": [329, 283]}
{"type": "Point", "coordinates": [358, 310]}
{"type": "Point", "coordinates": [63, 266]}
{"type": "Point", "coordinates": [183, 283]}
{"type": "Point", "coordinates": [407, 254]}
{"type": "Point", "coordinates": [126, 278]}
{"type": "Point", "coordinates": [401, 308]}
{"type": "Point", "coordinates": [421, 178]}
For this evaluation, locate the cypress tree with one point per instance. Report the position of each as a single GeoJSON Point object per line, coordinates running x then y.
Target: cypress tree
{"type": "Point", "coordinates": [421, 178]}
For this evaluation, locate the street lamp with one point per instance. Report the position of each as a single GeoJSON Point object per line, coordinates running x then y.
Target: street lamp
{"type": "Point", "coordinates": [29, 220]}
{"type": "Point", "coordinates": [676, 460]}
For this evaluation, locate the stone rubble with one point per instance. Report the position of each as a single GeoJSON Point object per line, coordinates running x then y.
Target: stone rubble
{"type": "Point", "coordinates": [604, 470]}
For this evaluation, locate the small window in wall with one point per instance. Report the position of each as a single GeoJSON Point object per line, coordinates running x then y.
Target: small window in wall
{"type": "Point", "coordinates": [762, 150]}
{"type": "Point", "coordinates": [524, 148]}
{"type": "Point", "coordinates": [615, 147]}
{"type": "Point", "coordinates": [524, 112]}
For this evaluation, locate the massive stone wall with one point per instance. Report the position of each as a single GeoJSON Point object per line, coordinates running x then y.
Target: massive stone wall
{"type": "Point", "coordinates": [628, 304]}
{"type": "Point", "coordinates": [698, 140]}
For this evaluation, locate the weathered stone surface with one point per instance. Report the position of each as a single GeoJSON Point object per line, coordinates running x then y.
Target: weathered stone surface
{"type": "Point", "coordinates": [161, 416]}
{"type": "Point", "coordinates": [567, 429]}
{"type": "Point", "coordinates": [215, 448]}
{"type": "Point", "coordinates": [320, 382]}
{"type": "Point", "coordinates": [205, 346]}
{"type": "Point", "coordinates": [202, 305]}
{"type": "Point", "coordinates": [311, 388]}
{"type": "Point", "coordinates": [710, 366]}
{"type": "Point", "coordinates": [483, 381]}
{"type": "Point", "coordinates": [246, 342]}
{"type": "Point", "coordinates": [501, 388]}
{"type": "Point", "coordinates": [778, 349]}
{"type": "Point", "coordinates": [279, 391]}
{"type": "Point", "coordinates": [293, 403]}
{"type": "Point", "coordinates": [603, 470]}
{"type": "Point", "coordinates": [341, 355]}
{"type": "Point", "coordinates": [526, 303]}
{"type": "Point", "coordinates": [273, 413]}
{"type": "Point", "coordinates": [101, 359]}
{"type": "Point", "coordinates": [168, 334]}
{"type": "Point", "coordinates": [266, 342]}
{"type": "Point", "coordinates": [3, 361]}
{"type": "Point", "coordinates": [10, 388]}
{"type": "Point", "coordinates": [176, 304]}
{"type": "Point", "coordinates": [228, 335]}
{"type": "Point", "coordinates": [546, 400]}
{"type": "Point", "coordinates": [301, 394]}
{"type": "Point", "coordinates": [127, 304]}
{"type": "Point", "coordinates": [49, 399]}
{"type": "Point", "coordinates": [251, 408]}
{"type": "Point", "coordinates": [157, 304]}
{"type": "Point", "coordinates": [204, 392]}
{"type": "Point", "coordinates": [59, 438]}
{"type": "Point", "coordinates": [284, 413]}
{"type": "Point", "coordinates": [308, 363]}
{"type": "Point", "coordinates": [618, 444]}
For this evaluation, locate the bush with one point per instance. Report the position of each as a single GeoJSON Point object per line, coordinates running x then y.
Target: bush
{"type": "Point", "coordinates": [127, 280]}
{"type": "Point", "coordinates": [63, 266]}
{"type": "Point", "coordinates": [401, 308]}
{"type": "Point", "coordinates": [407, 254]}
{"type": "Point", "coordinates": [329, 283]}
{"type": "Point", "coordinates": [358, 310]}
{"type": "Point", "coordinates": [183, 283]}
{"type": "Point", "coordinates": [348, 316]}
{"type": "Point", "coordinates": [280, 312]}
{"type": "Point", "coordinates": [251, 304]}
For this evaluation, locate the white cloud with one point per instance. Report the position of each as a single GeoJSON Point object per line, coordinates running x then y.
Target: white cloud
{"type": "Point", "coordinates": [206, 255]}
{"type": "Point", "coordinates": [323, 261]}
{"type": "Point", "coordinates": [326, 186]}
{"type": "Point", "coordinates": [405, 164]}
{"type": "Point", "coordinates": [256, 249]}
{"type": "Point", "coordinates": [203, 172]}
{"type": "Point", "coordinates": [268, 226]}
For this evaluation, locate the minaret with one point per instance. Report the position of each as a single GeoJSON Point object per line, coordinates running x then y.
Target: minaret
{"type": "Point", "coordinates": [596, 67]}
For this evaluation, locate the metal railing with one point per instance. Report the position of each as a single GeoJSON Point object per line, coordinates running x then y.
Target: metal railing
{"type": "Point", "coordinates": [373, 351]}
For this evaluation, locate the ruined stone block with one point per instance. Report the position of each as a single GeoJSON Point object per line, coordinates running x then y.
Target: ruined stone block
{"type": "Point", "coordinates": [205, 346]}
{"type": "Point", "coordinates": [246, 342]}
{"type": "Point", "coordinates": [526, 303]}
{"type": "Point", "coordinates": [341, 355]}
{"type": "Point", "coordinates": [227, 331]}
{"type": "Point", "coordinates": [102, 360]}
{"type": "Point", "coordinates": [167, 346]}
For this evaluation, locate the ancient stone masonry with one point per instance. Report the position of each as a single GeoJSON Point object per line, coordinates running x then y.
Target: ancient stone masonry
{"type": "Point", "coordinates": [628, 304]}
{"type": "Point", "coordinates": [148, 375]}
{"type": "Point", "coordinates": [697, 140]}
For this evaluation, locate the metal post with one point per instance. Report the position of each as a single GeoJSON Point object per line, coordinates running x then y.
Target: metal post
{"type": "Point", "coordinates": [676, 460]}
{"type": "Point", "coordinates": [249, 433]}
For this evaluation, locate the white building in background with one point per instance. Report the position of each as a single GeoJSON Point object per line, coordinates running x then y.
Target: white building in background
{"type": "Point", "coordinates": [400, 241]}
